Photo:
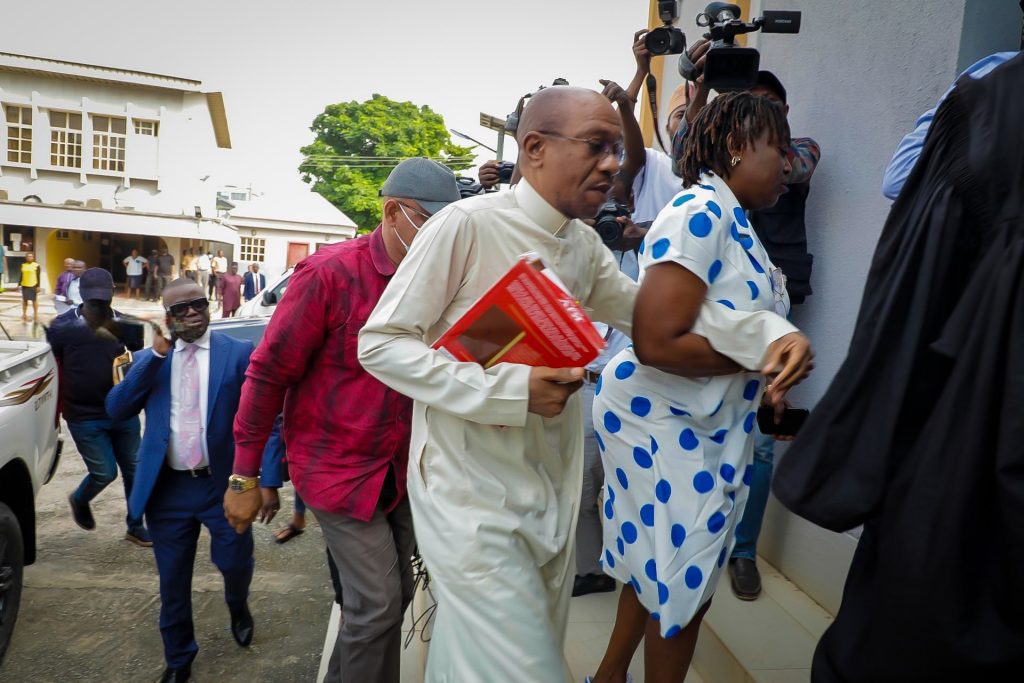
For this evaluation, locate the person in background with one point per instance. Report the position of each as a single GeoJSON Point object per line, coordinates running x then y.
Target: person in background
{"type": "Point", "coordinates": [74, 293]}
{"type": "Point", "coordinates": [229, 287]}
{"type": "Point", "coordinates": [189, 389]}
{"type": "Point", "coordinates": [909, 149]}
{"type": "Point", "coordinates": [589, 576]}
{"type": "Point", "coordinates": [61, 302]}
{"type": "Point", "coordinates": [134, 267]}
{"type": "Point", "coordinates": [350, 473]}
{"type": "Point", "coordinates": [188, 264]}
{"type": "Point", "coordinates": [29, 284]}
{"type": "Point", "coordinates": [164, 270]}
{"type": "Point", "coordinates": [255, 282]}
{"type": "Point", "coordinates": [152, 281]}
{"type": "Point", "coordinates": [677, 101]}
{"type": "Point", "coordinates": [218, 268]}
{"type": "Point", "coordinates": [782, 232]}
{"type": "Point", "coordinates": [3, 261]}
{"type": "Point", "coordinates": [202, 265]}
{"type": "Point", "coordinates": [85, 342]}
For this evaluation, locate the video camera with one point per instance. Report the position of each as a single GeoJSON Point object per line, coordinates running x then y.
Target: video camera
{"type": "Point", "coordinates": [728, 66]}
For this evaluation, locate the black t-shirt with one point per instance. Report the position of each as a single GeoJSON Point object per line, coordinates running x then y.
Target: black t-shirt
{"type": "Point", "coordinates": [164, 262]}
{"type": "Point", "coordinates": [86, 363]}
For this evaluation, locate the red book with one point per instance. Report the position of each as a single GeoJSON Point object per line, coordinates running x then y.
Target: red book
{"type": "Point", "coordinates": [527, 317]}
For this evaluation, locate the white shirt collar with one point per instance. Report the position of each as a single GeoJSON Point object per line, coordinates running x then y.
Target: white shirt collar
{"type": "Point", "coordinates": [538, 209]}
{"type": "Point", "coordinates": [203, 342]}
{"type": "Point", "coordinates": [721, 187]}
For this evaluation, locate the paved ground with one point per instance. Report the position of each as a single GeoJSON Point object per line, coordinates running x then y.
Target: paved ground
{"type": "Point", "coordinates": [90, 606]}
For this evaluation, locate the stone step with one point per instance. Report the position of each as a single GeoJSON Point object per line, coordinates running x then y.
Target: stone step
{"type": "Point", "coordinates": [768, 640]}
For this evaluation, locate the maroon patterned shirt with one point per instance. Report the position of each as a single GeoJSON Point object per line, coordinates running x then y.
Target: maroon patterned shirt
{"type": "Point", "coordinates": [342, 428]}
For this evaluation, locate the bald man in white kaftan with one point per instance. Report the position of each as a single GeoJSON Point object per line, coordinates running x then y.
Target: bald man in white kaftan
{"type": "Point", "coordinates": [494, 489]}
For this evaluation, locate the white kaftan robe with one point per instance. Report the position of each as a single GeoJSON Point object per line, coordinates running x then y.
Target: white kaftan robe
{"type": "Point", "coordinates": [494, 490]}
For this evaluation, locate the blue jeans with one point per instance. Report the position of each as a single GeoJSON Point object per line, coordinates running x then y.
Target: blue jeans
{"type": "Point", "coordinates": [106, 445]}
{"type": "Point", "coordinates": [749, 527]}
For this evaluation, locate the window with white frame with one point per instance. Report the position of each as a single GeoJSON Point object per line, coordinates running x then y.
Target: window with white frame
{"type": "Point", "coordinates": [253, 249]}
{"type": "Point", "coordinates": [143, 127]}
{"type": "Point", "coordinates": [65, 139]}
{"type": "Point", "coordinates": [108, 137]}
{"type": "Point", "coordinates": [19, 134]}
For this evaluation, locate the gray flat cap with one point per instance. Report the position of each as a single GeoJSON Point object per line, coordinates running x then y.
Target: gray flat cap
{"type": "Point", "coordinates": [428, 182]}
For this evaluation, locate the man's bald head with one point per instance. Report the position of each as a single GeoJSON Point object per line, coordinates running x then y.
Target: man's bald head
{"type": "Point", "coordinates": [550, 108]}
{"type": "Point", "coordinates": [567, 142]}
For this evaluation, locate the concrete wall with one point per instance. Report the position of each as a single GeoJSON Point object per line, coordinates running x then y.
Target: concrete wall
{"type": "Point", "coordinates": [876, 67]}
{"type": "Point", "coordinates": [858, 76]}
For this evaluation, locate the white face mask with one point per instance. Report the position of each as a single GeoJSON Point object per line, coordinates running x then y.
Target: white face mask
{"type": "Point", "coordinates": [399, 236]}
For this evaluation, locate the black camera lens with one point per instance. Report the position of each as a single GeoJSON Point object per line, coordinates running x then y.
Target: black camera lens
{"type": "Point", "coordinates": [606, 222]}
{"type": "Point", "coordinates": [665, 40]}
{"type": "Point", "coordinates": [505, 171]}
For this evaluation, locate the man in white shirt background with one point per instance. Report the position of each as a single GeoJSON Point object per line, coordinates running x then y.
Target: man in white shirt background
{"type": "Point", "coordinates": [218, 267]}
{"type": "Point", "coordinates": [203, 263]}
{"type": "Point", "coordinates": [74, 292]}
{"type": "Point", "coordinates": [135, 265]}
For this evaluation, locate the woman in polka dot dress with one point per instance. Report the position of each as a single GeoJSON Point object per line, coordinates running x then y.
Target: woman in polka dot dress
{"type": "Point", "coordinates": [674, 417]}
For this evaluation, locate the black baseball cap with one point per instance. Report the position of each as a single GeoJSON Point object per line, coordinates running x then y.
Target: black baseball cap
{"type": "Point", "coordinates": [766, 79]}
{"type": "Point", "coordinates": [96, 283]}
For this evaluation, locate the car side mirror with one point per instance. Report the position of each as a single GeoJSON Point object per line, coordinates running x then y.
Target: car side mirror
{"type": "Point", "coordinates": [269, 298]}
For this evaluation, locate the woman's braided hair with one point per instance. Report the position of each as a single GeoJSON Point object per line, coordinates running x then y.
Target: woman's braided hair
{"type": "Point", "coordinates": [737, 115]}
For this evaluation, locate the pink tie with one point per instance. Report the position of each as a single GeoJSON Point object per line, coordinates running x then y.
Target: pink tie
{"type": "Point", "coordinates": [189, 432]}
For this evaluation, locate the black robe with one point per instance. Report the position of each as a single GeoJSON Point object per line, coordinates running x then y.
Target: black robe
{"type": "Point", "coordinates": [920, 436]}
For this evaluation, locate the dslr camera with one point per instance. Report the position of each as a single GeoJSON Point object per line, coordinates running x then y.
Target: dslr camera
{"type": "Point", "coordinates": [667, 39]}
{"type": "Point", "coordinates": [505, 171]}
{"type": "Point", "coordinates": [728, 66]}
{"type": "Point", "coordinates": [606, 223]}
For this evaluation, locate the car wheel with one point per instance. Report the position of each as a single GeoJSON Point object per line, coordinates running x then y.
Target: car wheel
{"type": "Point", "coordinates": [12, 558]}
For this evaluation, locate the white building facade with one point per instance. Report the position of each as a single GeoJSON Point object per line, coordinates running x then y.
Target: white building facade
{"type": "Point", "coordinates": [276, 232]}
{"type": "Point", "coordinates": [96, 161]}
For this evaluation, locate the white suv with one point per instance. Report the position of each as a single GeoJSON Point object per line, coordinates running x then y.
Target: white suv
{"type": "Point", "coordinates": [266, 300]}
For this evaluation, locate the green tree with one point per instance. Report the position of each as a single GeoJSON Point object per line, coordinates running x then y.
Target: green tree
{"type": "Point", "coordinates": [358, 143]}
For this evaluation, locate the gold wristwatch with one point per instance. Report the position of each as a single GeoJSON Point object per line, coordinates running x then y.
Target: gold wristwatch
{"type": "Point", "coordinates": [240, 484]}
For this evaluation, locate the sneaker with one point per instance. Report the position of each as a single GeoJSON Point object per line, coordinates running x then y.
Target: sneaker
{"type": "Point", "coordinates": [744, 577]}
{"type": "Point", "coordinates": [81, 513]}
{"type": "Point", "coordinates": [139, 537]}
{"type": "Point", "coordinates": [592, 583]}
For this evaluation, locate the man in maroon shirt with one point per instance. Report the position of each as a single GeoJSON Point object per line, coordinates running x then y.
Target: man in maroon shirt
{"type": "Point", "coordinates": [347, 433]}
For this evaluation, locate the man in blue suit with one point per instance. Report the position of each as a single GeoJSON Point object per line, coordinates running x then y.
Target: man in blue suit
{"type": "Point", "coordinates": [190, 393]}
{"type": "Point", "coordinates": [253, 282]}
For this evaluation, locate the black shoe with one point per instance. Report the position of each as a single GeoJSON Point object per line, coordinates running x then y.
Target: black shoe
{"type": "Point", "coordinates": [176, 675]}
{"type": "Point", "coordinates": [81, 513]}
{"type": "Point", "coordinates": [592, 583]}
{"type": "Point", "coordinates": [744, 577]}
{"type": "Point", "coordinates": [241, 626]}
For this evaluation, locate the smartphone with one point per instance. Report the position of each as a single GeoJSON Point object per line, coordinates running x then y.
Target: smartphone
{"type": "Point", "coordinates": [792, 420]}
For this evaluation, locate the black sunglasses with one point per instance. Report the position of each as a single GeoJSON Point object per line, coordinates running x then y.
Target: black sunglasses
{"type": "Point", "coordinates": [180, 309]}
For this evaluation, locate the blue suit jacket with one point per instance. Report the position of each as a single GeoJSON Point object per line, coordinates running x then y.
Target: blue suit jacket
{"type": "Point", "coordinates": [253, 285]}
{"type": "Point", "coordinates": [148, 387]}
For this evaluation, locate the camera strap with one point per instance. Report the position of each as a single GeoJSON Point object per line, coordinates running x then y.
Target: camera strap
{"type": "Point", "coordinates": [652, 99]}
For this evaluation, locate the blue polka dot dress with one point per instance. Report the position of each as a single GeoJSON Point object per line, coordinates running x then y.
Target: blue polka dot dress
{"type": "Point", "coordinates": [677, 451]}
